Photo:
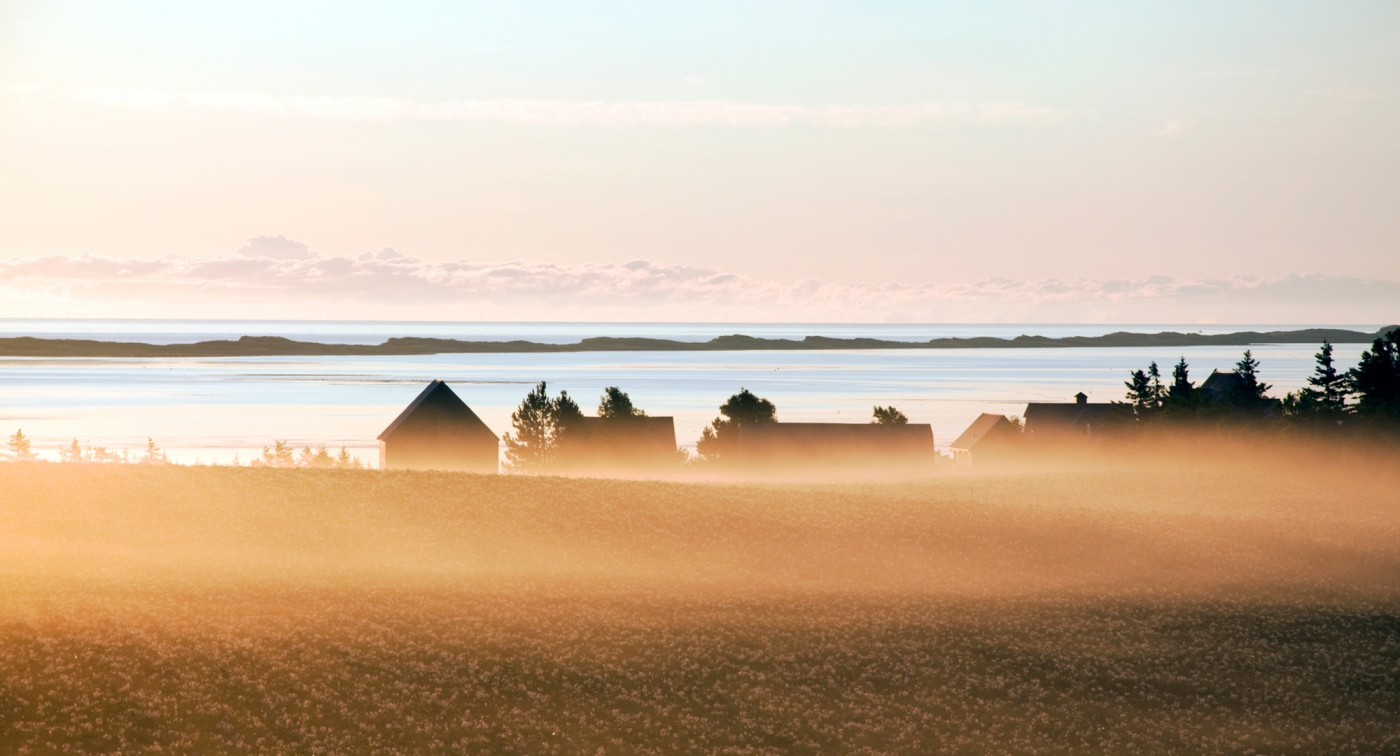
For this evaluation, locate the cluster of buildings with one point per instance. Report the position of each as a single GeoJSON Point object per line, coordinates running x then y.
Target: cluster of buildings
{"type": "Point", "coordinates": [439, 431]}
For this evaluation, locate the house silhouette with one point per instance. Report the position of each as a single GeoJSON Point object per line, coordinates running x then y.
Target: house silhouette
{"type": "Point", "coordinates": [988, 439]}
{"type": "Point", "coordinates": [438, 431]}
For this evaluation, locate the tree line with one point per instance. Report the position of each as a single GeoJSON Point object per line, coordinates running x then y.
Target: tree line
{"type": "Point", "coordinates": [1364, 396]}
{"type": "Point", "coordinates": [19, 448]}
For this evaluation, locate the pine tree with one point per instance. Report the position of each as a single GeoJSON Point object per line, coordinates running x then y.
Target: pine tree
{"type": "Point", "coordinates": [153, 456]}
{"type": "Point", "coordinates": [1376, 378]}
{"type": "Point", "coordinates": [1182, 386]}
{"type": "Point", "coordinates": [1326, 390]}
{"type": "Point", "coordinates": [1139, 391]}
{"type": "Point", "coordinates": [615, 404]}
{"type": "Point", "coordinates": [1251, 389]}
{"type": "Point", "coordinates": [71, 453]}
{"type": "Point", "coordinates": [19, 448]}
{"type": "Point", "coordinates": [530, 448]}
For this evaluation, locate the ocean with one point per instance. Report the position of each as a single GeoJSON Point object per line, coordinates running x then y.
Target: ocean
{"type": "Point", "coordinates": [215, 410]}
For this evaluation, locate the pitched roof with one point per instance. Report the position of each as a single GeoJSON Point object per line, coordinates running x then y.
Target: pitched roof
{"type": "Point", "coordinates": [980, 428]}
{"type": "Point", "coordinates": [1221, 384]}
{"type": "Point", "coordinates": [1058, 417]}
{"type": "Point", "coordinates": [444, 404]}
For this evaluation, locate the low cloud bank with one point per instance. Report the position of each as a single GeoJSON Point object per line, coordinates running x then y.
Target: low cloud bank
{"type": "Point", "coordinates": [273, 276]}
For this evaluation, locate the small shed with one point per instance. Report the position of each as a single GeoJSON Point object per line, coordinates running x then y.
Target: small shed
{"type": "Point", "coordinates": [839, 448]}
{"type": "Point", "coordinates": [438, 431]}
{"type": "Point", "coordinates": [990, 436]}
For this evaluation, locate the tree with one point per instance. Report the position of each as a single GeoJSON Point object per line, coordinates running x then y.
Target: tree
{"type": "Point", "coordinates": [1376, 378]}
{"type": "Point", "coordinates": [280, 455]}
{"type": "Point", "coordinates": [18, 446]}
{"type": "Point", "coordinates": [889, 416]}
{"type": "Point", "coordinates": [318, 458]}
{"type": "Point", "coordinates": [1326, 392]}
{"type": "Point", "coordinates": [531, 446]}
{"type": "Point", "coordinates": [153, 455]}
{"type": "Point", "coordinates": [343, 461]}
{"type": "Point", "coordinates": [1251, 390]}
{"type": "Point", "coordinates": [615, 404]}
{"type": "Point", "coordinates": [1139, 391]}
{"type": "Point", "coordinates": [719, 440]}
{"type": "Point", "coordinates": [71, 453]}
{"type": "Point", "coordinates": [1182, 386]}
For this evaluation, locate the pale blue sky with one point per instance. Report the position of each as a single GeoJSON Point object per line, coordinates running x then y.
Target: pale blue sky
{"type": "Point", "coordinates": [910, 143]}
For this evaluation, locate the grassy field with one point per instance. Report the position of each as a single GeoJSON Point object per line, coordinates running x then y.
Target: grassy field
{"type": "Point", "coordinates": [219, 610]}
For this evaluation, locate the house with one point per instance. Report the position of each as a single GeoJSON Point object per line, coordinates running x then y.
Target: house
{"type": "Point", "coordinates": [836, 447]}
{"type": "Point", "coordinates": [622, 445]}
{"type": "Point", "coordinates": [990, 437]}
{"type": "Point", "coordinates": [1046, 421]}
{"type": "Point", "coordinates": [1221, 387]}
{"type": "Point", "coordinates": [438, 431]}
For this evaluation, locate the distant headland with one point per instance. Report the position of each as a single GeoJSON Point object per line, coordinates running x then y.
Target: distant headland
{"type": "Point", "coordinates": [276, 346]}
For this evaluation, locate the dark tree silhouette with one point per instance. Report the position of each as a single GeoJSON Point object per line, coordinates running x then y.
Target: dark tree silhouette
{"type": "Point", "coordinates": [531, 446]}
{"type": "Point", "coordinates": [889, 416]}
{"type": "Point", "coordinates": [718, 441]}
{"type": "Point", "coordinates": [1182, 386]}
{"type": "Point", "coordinates": [616, 404]}
{"type": "Point", "coordinates": [1326, 391]}
{"type": "Point", "coordinates": [1251, 390]}
{"type": "Point", "coordinates": [1376, 378]}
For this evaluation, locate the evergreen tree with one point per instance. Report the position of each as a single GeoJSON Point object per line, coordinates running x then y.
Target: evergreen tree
{"type": "Point", "coordinates": [71, 453]}
{"type": "Point", "coordinates": [18, 446]}
{"type": "Point", "coordinates": [718, 440]}
{"type": "Point", "coordinates": [343, 461]}
{"type": "Point", "coordinates": [1326, 389]}
{"type": "Point", "coordinates": [1182, 386]}
{"type": "Point", "coordinates": [154, 455]}
{"type": "Point", "coordinates": [889, 416]}
{"type": "Point", "coordinates": [531, 447]}
{"type": "Point", "coordinates": [1251, 390]}
{"type": "Point", "coordinates": [1139, 391]}
{"type": "Point", "coordinates": [1376, 378]}
{"type": "Point", "coordinates": [317, 458]}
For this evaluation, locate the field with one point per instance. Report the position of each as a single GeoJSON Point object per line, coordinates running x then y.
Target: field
{"type": "Point", "coordinates": [222, 610]}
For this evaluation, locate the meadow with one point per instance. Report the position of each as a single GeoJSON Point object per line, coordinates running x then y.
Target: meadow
{"type": "Point", "coordinates": [1210, 609]}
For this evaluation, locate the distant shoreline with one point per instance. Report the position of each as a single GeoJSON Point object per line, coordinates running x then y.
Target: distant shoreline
{"type": "Point", "coordinates": [276, 346]}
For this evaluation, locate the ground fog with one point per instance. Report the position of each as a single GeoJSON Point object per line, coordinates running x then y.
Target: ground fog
{"type": "Point", "coordinates": [222, 610]}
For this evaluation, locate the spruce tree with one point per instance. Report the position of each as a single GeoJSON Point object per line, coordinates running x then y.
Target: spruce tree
{"type": "Point", "coordinates": [18, 446]}
{"type": "Point", "coordinates": [1376, 378]}
{"type": "Point", "coordinates": [1182, 386]}
{"type": "Point", "coordinates": [530, 448]}
{"type": "Point", "coordinates": [1251, 389]}
{"type": "Point", "coordinates": [1326, 390]}
{"type": "Point", "coordinates": [1139, 391]}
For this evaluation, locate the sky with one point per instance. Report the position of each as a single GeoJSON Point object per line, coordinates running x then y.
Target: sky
{"type": "Point", "coordinates": [875, 161]}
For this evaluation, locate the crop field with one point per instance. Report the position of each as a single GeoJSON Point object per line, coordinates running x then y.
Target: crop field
{"type": "Point", "coordinates": [234, 610]}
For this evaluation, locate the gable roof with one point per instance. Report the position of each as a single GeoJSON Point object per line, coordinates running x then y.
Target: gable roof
{"type": "Point", "coordinates": [1221, 384]}
{"type": "Point", "coordinates": [985, 424]}
{"type": "Point", "coordinates": [445, 405]}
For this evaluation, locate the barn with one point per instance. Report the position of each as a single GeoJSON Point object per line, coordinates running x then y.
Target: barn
{"type": "Point", "coordinates": [438, 431]}
{"type": "Point", "coordinates": [630, 446]}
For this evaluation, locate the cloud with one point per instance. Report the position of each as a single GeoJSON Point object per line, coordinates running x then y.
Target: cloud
{"type": "Point", "coordinates": [284, 278]}
{"type": "Point", "coordinates": [274, 248]}
{"type": "Point", "coordinates": [685, 113]}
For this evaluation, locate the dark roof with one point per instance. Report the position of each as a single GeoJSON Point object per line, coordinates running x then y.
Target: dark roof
{"type": "Point", "coordinates": [986, 424]}
{"type": "Point", "coordinates": [1047, 417]}
{"type": "Point", "coordinates": [436, 405]}
{"type": "Point", "coordinates": [1220, 385]}
{"type": "Point", "coordinates": [660, 431]}
{"type": "Point", "coordinates": [837, 436]}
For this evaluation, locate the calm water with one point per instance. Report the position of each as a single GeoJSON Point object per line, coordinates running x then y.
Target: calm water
{"type": "Point", "coordinates": [211, 409]}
